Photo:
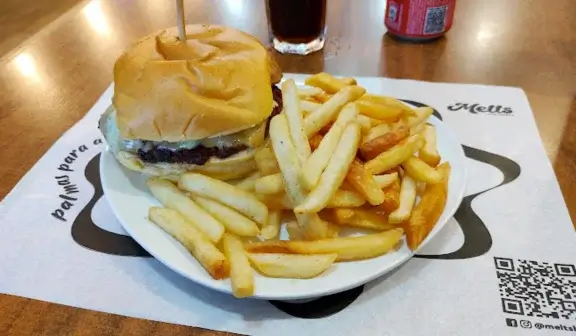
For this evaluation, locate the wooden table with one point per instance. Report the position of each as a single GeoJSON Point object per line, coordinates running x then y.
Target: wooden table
{"type": "Point", "coordinates": [51, 81]}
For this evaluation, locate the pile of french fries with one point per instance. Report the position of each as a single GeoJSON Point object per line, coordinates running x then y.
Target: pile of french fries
{"type": "Point", "coordinates": [337, 157]}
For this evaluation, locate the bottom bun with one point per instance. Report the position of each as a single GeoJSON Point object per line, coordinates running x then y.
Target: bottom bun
{"type": "Point", "coordinates": [236, 166]}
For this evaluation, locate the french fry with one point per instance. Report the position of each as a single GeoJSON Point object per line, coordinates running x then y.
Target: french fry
{"type": "Point", "coordinates": [329, 110]}
{"type": "Point", "coordinates": [335, 172]}
{"type": "Point", "coordinates": [377, 131]}
{"type": "Point", "coordinates": [420, 170]}
{"type": "Point", "coordinates": [312, 169]}
{"type": "Point", "coordinates": [364, 183]}
{"type": "Point", "coordinates": [347, 248]}
{"type": "Point", "coordinates": [312, 226]}
{"type": "Point", "coordinates": [279, 201]}
{"type": "Point", "coordinates": [271, 184]}
{"type": "Point", "coordinates": [280, 265]}
{"type": "Point", "coordinates": [241, 273]}
{"type": "Point", "coordinates": [417, 129]}
{"type": "Point", "coordinates": [294, 232]}
{"type": "Point", "coordinates": [249, 182]}
{"type": "Point", "coordinates": [374, 147]}
{"type": "Point", "coordinates": [420, 187]}
{"type": "Point", "coordinates": [309, 91]}
{"type": "Point", "coordinates": [173, 198]}
{"type": "Point", "coordinates": [365, 123]}
{"type": "Point", "coordinates": [349, 81]}
{"type": "Point", "coordinates": [326, 82]}
{"type": "Point", "coordinates": [266, 162]}
{"type": "Point", "coordinates": [429, 153]}
{"type": "Point", "coordinates": [362, 218]}
{"type": "Point", "coordinates": [194, 240]}
{"type": "Point", "coordinates": [388, 101]}
{"type": "Point", "coordinates": [422, 113]}
{"type": "Point", "coordinates": [391, 197]}
{"type": "Point", "coordinates": [232, 220]}
{"type": "Point", "coordinates": [407, 199]}
{"type": "Point", "coordinates": [291, 108]}
{"type": "Point", "coordinates": [309, 107]}
{"type": "Point", "coordinates": [346, 199]}
{"type": "Point", "coordinates": [385, 180]}
{"type": "Point", "coordinates": [386, 113]}
{"type": "Point", "coordinates": [315, 141]}
{"type": "Point", "coordinates": [272, 229]}
{"type": "Point", "coordinates": [395, 155]}
{"type": "Point", "coordinates": [427, 212]}
{"type": "Point", "coordinates": [244, 202]}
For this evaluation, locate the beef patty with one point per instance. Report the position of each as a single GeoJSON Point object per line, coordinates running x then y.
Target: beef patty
{"type": "Point", "coordinates": [200, 155]}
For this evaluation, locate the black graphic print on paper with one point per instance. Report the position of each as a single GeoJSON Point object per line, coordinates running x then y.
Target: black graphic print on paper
{"type": "Point", "coordinates": [537, 288]}
{"type": "Point", "coordinates": [86, 233]}
{"type": "Point", "coordinates": [477, 239]}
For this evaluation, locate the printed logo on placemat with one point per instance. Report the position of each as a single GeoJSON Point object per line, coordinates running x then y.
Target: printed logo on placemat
{"type": "Point", "coordinates": [537, 289]}
{"type": "Point", "coordinates": [476, 108]}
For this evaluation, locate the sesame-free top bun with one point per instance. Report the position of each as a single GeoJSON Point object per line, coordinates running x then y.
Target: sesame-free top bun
{"type": "Point", "coordinates": [217, 82]}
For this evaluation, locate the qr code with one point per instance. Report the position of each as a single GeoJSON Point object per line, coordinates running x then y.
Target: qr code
{"type": "Point", "coordinates": [435, 20]}
{"type": "Point", "coordinates": [536, 288]}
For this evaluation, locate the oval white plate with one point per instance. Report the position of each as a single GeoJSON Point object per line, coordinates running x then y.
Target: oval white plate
{"type": "Point", "coordinates": [130, 200]}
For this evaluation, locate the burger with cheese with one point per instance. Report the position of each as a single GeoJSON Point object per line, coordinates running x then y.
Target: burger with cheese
{"type": "Point", "coordinates": [197, 105]}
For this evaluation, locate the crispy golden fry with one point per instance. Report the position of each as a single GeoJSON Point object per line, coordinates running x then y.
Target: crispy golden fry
{"type": "Point", "coordinates": [374, 147]}
{"type": "Point", "coordinates": [335, 172]}
{"type": "Point", "coordinates": [349, 81]}
{"type": "Point", "coordinates": [194, 240]}
{"type": "Point", "coordinates": [429, 153]}
{"type": "Point", "coordinates": [385, 180]}
{"type": "Point", "coordinates": [242, 201]}
{"type": "Point", "coordinates": [329, 110]}
{"type": "Point", "coordinates": [407, 199]}
{"type": "Point", "coordinates": [309, 107]}
{"type": "Point", "coordinates": [365, 123]}
{"type": "Point", "coordinates": [420, 187]}
{"type": "Point", "coordinates": [173, 198]}
{"type": "Point", "coordinates": [313, 227]}
{"type": "Point", "coordinates": [422, 113]}
{"type": "Point", "coordinates": [279, 201]}
{"type": "Point", "coordinates": [386, 113]}
{"type": "Point", "coordinates": [294, 232]}
{"type": "Point", "coordinates": [428, 210]}
{"type": "Point", "coordinates": [377, 131]}
{"type": "Point", "coordinates": [347, 248]}
{"type": "Point", "coordinates": [312, 169]}
{"type": "Point", "coordinates": [232, 220]}
{"type": "Point", "coordinates": [388, 101]}
{"type": "Point", "coordinates": [309, 91]}
{"type": "Point", "coordinates": [266, 161]}
{"type": "Point", "coordinates": [391, 197]}
{"type": "Point", "coordinates": [272, 229]}
{"type": "Point", "coordinates": [271, 184]}
{"type": "Point", "coordinates": [315, 141]}
{"type": "Point", "coordinates": [241, 273]}
{"type": "Point", "coordinates": [346, 199]}
{"type": "Point", "coordinates": [291, 107]}
{"type": "Point", "coordinates": [326, 82]}
{"type": "Point", "coordinates": [362, 218]}
{"type": "Point", "coordinates": [280, 265]}
{"type": "Point", "coordinates": [249, 182]}
{"type": "Point", "coordinates": [395, 155]}
{"type": "Point", "coordinates": [364, 183]}
{"type": "Point", "coordinates": [420, 170]}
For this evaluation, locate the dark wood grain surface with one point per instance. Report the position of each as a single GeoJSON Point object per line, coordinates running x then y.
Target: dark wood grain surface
{"type": "Point", "coordinates": [51, 80]}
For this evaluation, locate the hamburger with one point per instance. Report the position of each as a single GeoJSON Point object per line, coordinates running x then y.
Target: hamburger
{"type": "Point", "coordinates": [197, 105]}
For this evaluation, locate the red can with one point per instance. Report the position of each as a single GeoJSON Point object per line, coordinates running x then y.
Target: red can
{"type": "Point", "coordinates": [419, 20]}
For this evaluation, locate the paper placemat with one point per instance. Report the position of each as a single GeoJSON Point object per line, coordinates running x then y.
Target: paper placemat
{"type": "Point", "coordinates": [503, 265]}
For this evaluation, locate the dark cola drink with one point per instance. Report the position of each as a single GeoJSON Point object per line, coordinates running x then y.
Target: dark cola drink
{"type": "Point", "coordinates": [297, 26]}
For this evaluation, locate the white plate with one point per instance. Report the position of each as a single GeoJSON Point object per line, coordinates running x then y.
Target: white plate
{"type": "Point", "coordinates": [130, 200]}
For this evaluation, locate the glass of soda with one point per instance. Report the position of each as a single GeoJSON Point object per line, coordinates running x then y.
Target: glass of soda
{"type": "Point", "coordinates": [297, 26]}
